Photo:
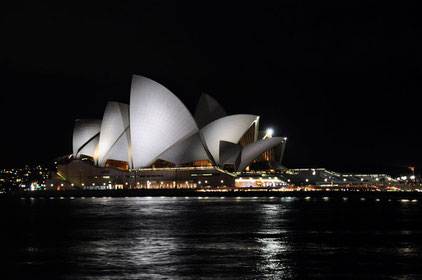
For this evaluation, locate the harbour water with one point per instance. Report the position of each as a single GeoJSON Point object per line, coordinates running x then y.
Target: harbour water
{"type": "Point", "coordinates": [211, 238]}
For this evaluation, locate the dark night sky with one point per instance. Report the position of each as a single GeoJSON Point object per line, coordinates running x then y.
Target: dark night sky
{"type": "Point", "coordinates": [340, 80]}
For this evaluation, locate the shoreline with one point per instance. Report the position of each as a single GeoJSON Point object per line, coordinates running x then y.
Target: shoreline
{"type": "Point", "coordinates": [195, 193]}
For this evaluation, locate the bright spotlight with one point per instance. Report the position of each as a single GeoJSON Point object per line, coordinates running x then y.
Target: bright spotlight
{"type": "Point", "coordinates": [269, 131]}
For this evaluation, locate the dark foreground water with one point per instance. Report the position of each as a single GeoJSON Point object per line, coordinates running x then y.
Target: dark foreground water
{"type": "Point", "coordinates": [214, 238]}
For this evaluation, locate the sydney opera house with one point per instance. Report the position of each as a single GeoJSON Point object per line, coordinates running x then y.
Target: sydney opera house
{"type": "Point", "coordinates": [155, 142]}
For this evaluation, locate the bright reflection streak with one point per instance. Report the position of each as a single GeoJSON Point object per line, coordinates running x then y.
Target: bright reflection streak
{"type": "Point", "coordinates": [271, 252]}
{"type": "Point", "coordinates": [288, 199]}
{"type": "Point", "coordinates": [274, 243]}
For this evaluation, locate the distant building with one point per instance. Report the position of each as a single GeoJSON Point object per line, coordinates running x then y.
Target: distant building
{"type": "Point", "coordinates": [322, 177]}
{"type": "Point", "coordinates": [26, 178]}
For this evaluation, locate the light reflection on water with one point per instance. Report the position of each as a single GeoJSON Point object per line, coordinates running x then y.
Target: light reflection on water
{"type": "Point", "coordinates": [273, 243]}
{"type": "Point", "coordinates": [213, 238]}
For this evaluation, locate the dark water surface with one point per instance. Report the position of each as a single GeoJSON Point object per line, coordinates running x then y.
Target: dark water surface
{"type": "Point", "coordinates": [214, 238]}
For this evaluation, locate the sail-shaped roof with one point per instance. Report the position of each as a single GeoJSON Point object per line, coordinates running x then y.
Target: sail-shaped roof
{"type": "Point", "coordinates": [230, 129]}
{"type": "Point", "coordinates": [158, 120]}
{"type": "Point", "coordinates": [85, 136]}
{"type": "Point", "coordinates": [157, 125]}
{"type": "Point", "coordinates": [114, 136]}
{"type": "Point", "coordinates": [186, 150]}
{"type": "Point", "coordinates": [254, 150]}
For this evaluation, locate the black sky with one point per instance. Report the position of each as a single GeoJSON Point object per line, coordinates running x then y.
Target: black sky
{"type": "Point", "coordinates": [341, 80]}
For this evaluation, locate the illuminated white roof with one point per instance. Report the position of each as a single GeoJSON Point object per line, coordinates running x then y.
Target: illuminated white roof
{"type": "Point", "coordinates": [158, 120]}
{"type": "Point", "coordinates": [195, 151]}
{"type": "Point", "coordinates": [186, 150]}
{"type": "Point", "coordinates": [175, 152]}
{"type": "Point", "coordinates": [230, 129]}
{"type": "Point", "coordinates": [114, 136]}
{"type": "Point", "coordinates": [254, 150]}
{"type": "Point", "coordinates": [157, 125]}
{"type": "Point", "coordinates": [91, 148]}
{"type": "Point", "coordinates": [85, 136]}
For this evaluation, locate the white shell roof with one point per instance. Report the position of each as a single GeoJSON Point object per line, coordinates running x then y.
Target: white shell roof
{"type": "Point", "coordinates": [195, 151]}
{"type": "Point", "coordinates": [230, 129]}
{"type": "Point", "coordinates": [84, 133]}
{"type": "Point", "coordinates": [186, 150]}
{"type": "Point", "coordinates": [91, 148]}
{"type": "Point", "coordinates": [254, 150]}
{"type": "Point", "coordinates": [114, 136]}
{"type": "Point", "coordinates": [158, 120]}
{"type": "Point", "coordinates": [157, 124]}
{"type": "Point", "coordinates": [175, 152]}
